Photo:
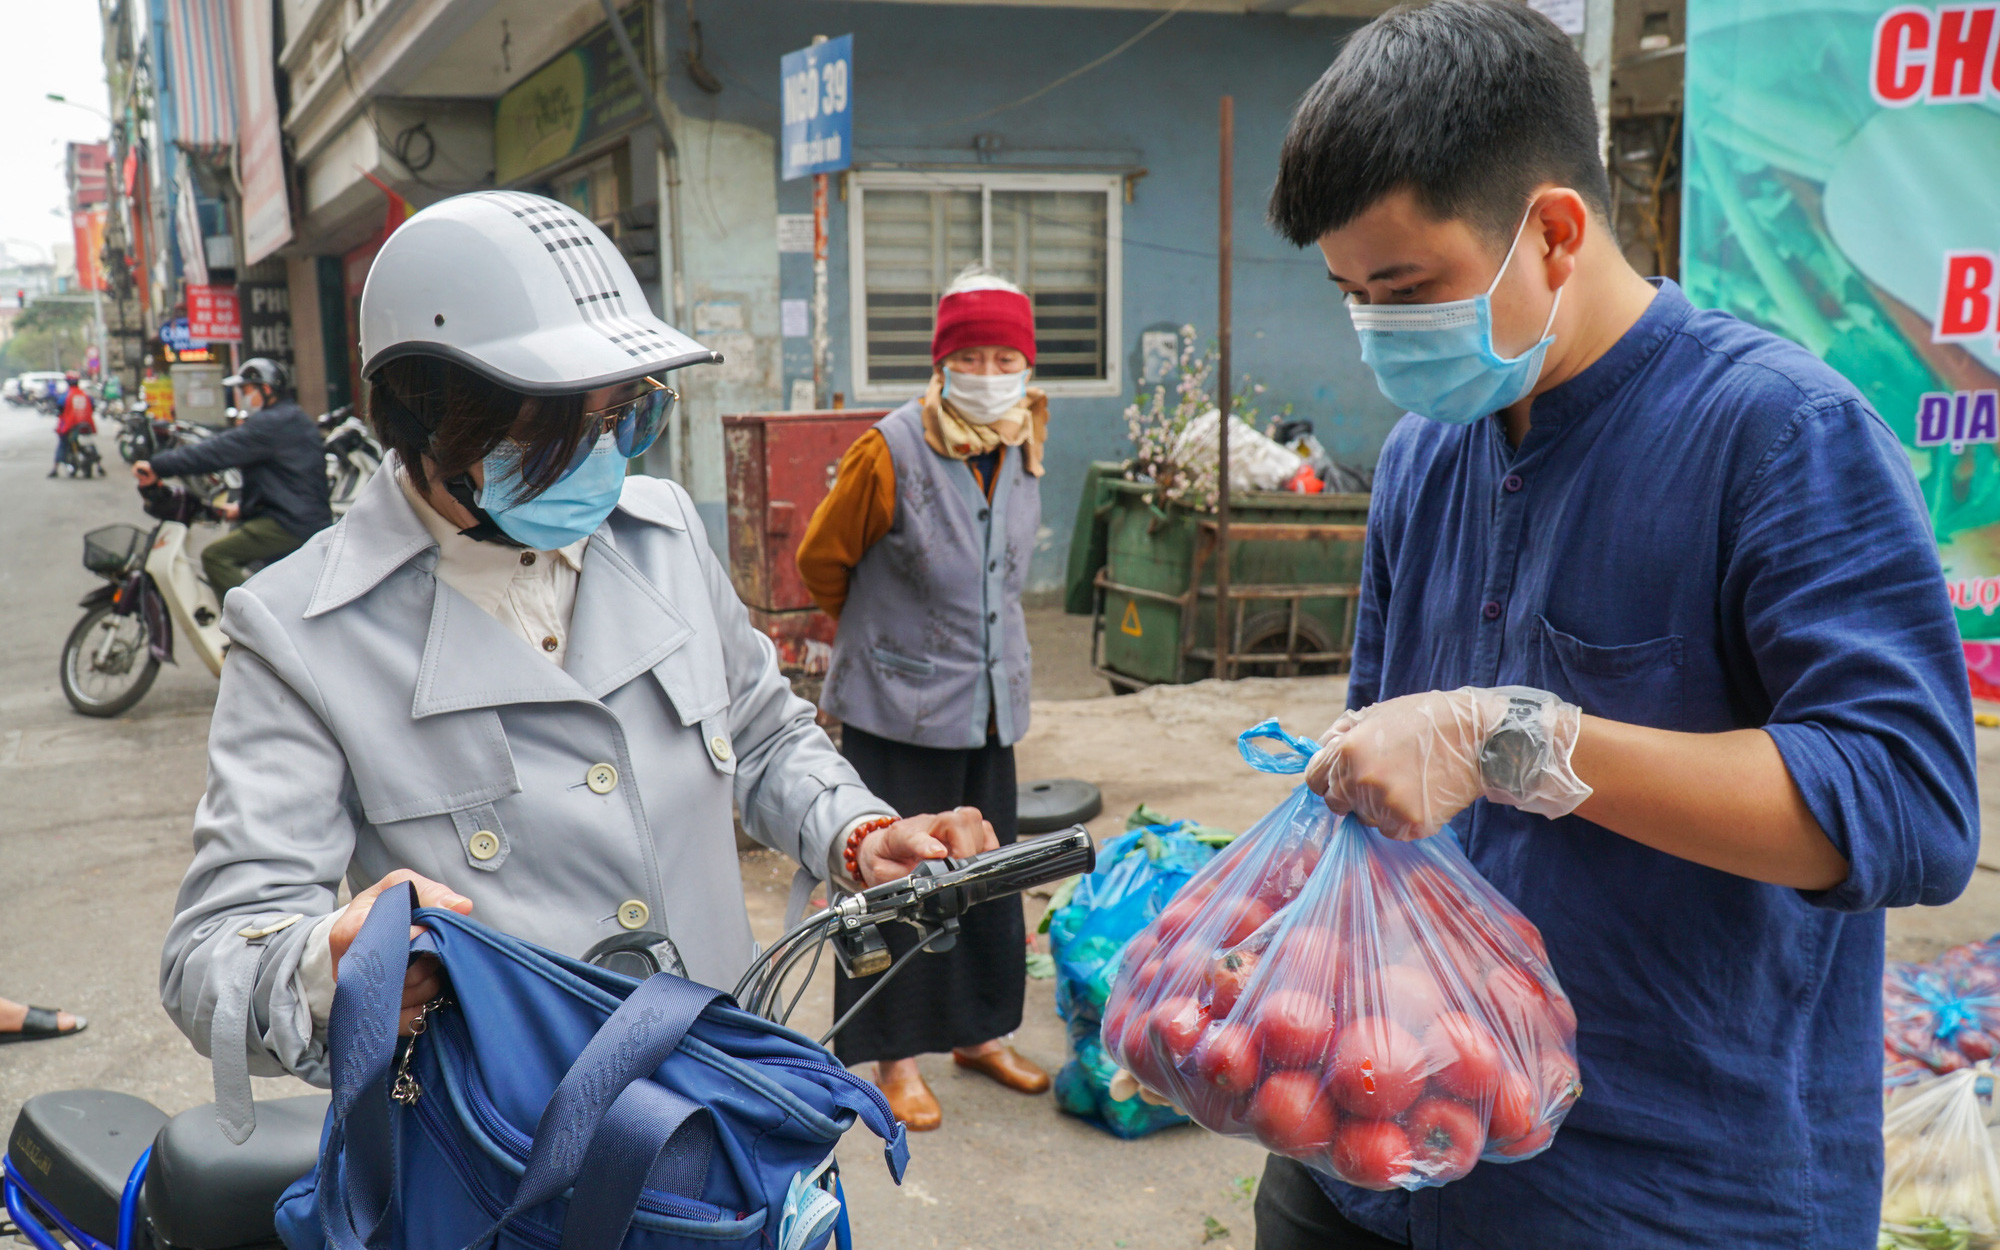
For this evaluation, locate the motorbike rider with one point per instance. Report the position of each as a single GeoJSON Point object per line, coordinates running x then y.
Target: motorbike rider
{"type": "Point", "coordinates": [76, 418]}
{"type": "Point", "coordinates": [278, 450]}
{"type": "Point", "coordinates": [513, 675]}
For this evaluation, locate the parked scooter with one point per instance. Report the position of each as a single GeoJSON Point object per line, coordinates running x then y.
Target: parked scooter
{"type": "Point", "coordinates": [108, 1171]}
{"type": "Point", "coordinates": [352, 455]}
{"type": "Point", "coordinates": [152, 586]}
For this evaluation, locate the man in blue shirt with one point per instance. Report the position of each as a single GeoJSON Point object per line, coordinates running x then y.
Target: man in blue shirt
{"type": "Point", "coordinates": [1652, 618]}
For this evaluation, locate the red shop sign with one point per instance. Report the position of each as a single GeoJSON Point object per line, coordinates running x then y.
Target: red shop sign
{"type": "Point", "coordinates": [213, 314]}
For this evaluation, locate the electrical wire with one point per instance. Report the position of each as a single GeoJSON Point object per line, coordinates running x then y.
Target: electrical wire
{"type": "Point", "coordinates": [819, 948]}
{"type": "Point", "coordinates": [876, 988]}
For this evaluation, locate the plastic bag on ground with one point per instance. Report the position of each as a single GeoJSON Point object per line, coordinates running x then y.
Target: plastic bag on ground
{"type": "Point", "coordinates": [1940, 1177]}
{"type": "Point", "coordinates": [1371, 1008]}
{"type": "Point", "coordinates": [1137, 876]}
{"type": "Point", "coordinates": [1944, 1015]}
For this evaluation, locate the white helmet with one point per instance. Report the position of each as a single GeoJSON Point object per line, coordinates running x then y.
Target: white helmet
{"type": "Point", "coordinates": [522, 290]}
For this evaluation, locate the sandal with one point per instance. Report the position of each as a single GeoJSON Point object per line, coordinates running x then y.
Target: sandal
{"type": "Point", "coordinates": [40, 1025]}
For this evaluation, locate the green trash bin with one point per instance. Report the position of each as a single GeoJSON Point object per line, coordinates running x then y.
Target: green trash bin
{"type": "Point", "coordinates": [1294, 571]}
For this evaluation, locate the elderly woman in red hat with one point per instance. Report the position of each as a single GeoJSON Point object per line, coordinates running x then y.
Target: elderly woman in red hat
{"type": "Point", "coordinates": [920, 551]}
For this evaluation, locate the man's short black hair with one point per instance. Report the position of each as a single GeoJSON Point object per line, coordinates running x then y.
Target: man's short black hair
{"type": "Point", "coordinates": [1471, 104]}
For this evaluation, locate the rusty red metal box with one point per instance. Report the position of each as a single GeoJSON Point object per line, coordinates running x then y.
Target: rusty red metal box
{"type": "Point", "coordinates": [779, 465]}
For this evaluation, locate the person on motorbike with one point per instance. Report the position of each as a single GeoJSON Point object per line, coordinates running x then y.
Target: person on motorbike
{"type": "Point", "coordinates": [513, 675]}
{"type": "Point", "coordinates": [75, 418]}
{"type": "Point", "coordinates": [278, 450]}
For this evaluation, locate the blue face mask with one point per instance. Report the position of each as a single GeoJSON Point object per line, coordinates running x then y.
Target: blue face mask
{"type": "Point", "coordinates": [567, 512]}
{"type": "Point", "coordinates": [1438, 360]}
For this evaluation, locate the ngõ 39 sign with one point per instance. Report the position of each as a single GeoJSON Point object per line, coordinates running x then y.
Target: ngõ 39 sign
{"type": "Point", "coordinates": [816, 135]}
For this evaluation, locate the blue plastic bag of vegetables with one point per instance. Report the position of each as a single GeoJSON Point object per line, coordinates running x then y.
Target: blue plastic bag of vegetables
{"type": "Point", "coordinates": [1137, 875]}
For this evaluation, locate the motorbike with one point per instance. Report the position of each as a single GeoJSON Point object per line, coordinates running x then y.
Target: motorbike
{"type": "Point", "coordinates": [153, 586]}
{"type": "Point", "coordinates": [84, 461]}
{"type": "Point", "coordinates": [141, 436]}
{"type": "Point", "coordinates": [352, 455]}
{"type": "Point", "coordinates": [108, 1171]}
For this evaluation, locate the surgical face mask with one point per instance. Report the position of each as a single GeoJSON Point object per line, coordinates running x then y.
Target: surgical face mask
{"type": "Point", "coordinates": [567, 512]}
{"type": "Point", "coordinates": [983, 398]}
{"type": "Point", "coordinates": [1438, 360]}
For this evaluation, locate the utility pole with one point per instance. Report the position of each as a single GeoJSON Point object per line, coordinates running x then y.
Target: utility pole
{"type": "Point", "coordinates": [822, 371]}
{"type": "Point", "coordinates": [1224, 257]}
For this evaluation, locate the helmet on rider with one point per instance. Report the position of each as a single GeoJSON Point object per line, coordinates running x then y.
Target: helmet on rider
{"type": "Point", "coordinates": [71, 377]}
{"type": "Point", "coordinates": [263, 372]}
{"type": "Point", "coordinates": [505, 332]}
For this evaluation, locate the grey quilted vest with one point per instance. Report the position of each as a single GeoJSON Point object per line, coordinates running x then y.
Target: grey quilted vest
{"type": "Point", "coordinates": [932, 641]}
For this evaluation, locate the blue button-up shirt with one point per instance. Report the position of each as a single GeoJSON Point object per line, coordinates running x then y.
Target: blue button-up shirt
{"type": "Point", "coordinates": [1705, 530]}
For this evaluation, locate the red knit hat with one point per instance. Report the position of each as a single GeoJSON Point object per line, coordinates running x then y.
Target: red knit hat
{"type": "Point", "coordinates": [984, 318]}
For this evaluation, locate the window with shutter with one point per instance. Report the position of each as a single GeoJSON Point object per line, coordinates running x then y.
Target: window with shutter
{"type": "Point", "coordinates": [1055, 236]}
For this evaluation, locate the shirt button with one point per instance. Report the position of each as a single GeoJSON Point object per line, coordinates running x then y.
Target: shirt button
{"type": "Point", "coordinates": [633, 914]}
{"type": "Point", "coordinates": [993, 566]}
{"type": "Point", "coordinates": [1491, 611]}
{"type": "Point", "coordinates": [550, 643]}
{"type": "Point", "coordinates": [483, 845]}
{"type": "Point", "coordinates": [527, 557]}
{"type": "Point", "coordinates": [602, 778]}
{"type": "Point", "coordinates": [992, 617]}
{"type": "Point", "coordinates": [1512, 482]}
{"type": "Point", "coordinates": [719, 745]}
{"type": "Point", "coordinates": [983, 514]}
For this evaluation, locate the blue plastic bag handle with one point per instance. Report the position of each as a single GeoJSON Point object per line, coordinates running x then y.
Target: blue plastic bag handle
{"type": "Point", "coordinates": [1294, 760]}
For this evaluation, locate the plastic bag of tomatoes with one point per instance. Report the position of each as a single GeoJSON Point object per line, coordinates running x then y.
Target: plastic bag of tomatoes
{"type": "Point", "coordinates": [1371, 1008]}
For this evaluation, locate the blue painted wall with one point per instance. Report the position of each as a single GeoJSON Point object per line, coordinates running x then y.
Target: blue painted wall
{"type": "Point", "coordinates": [1154, 106]}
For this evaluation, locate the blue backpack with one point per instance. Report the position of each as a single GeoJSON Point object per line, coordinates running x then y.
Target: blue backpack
{"type": "Point", "coordinates": [551, 1105]}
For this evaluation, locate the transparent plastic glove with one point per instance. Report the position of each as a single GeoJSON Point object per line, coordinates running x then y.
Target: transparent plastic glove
{"type": "Point", "coordinates": [1410, 764]}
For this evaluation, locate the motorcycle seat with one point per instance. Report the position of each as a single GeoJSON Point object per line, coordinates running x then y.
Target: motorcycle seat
{"type": "Point", "coordinates": [204, 1193]}
{"type": "Point", "coordinates": [75, 1148]}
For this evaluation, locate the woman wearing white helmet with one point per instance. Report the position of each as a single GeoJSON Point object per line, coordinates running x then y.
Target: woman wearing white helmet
{"type": "Point", "coordinates": [512, 673]}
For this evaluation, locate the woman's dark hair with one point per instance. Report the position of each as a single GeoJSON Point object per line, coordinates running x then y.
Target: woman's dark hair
{"type": "Point", "coordinates": [1470, 104]}
{"type": "Point", "coordinates": [426, 406]}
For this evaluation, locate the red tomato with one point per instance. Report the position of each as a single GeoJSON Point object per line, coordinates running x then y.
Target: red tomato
{"type": "Point", "coordinates": [1522, 1147]}
{"type": "Point", "coordinates": [1369, 1153]}
{"type": "Point", "coordinates": [1410, 996]}
{"type": "Point", "coordinates": [1244, 917]}
{"type": "Point", "coordinates": [1377, 1068]}
{"type": "Point", "coordinates": [1179, 1023]}
{"type": "Point", "coordinates": [1446, 1137]}
{"type": "Point", "coordinates": [1564, 1015]}
{"type": "Point", "coordinates": [1530, 935]}
{"type": "Point", "coordinates": [1134, 980]}
{"type": "Point", "coordinates": [1464, 1058]}
{"type": "Point", "coordinates": [1226, 978]}
{"type": "Point", "coordinates": [1518, 1003]}
{"type": "Point", "coordinates": [1138, 950]}
{"type": "Point", "coordinates": [1112, 1027]}
{"type": "Point", "coordinates": [1560, 1080]}
{"type": "Point", "coordinates": [1227, 1058]}
{"type": "Point", "coordinates": [1294, 1029]}
{"type": "Point", "coordinates": [1515, 1111]}
{"type": "Point", "coordinates": [1177, 915]}
{"type": "Point", "coordinates": [1291, 1113]}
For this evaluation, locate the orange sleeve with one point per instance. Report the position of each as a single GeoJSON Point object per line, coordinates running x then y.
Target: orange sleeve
{"type": "Point", "coordinates": [851, 519]}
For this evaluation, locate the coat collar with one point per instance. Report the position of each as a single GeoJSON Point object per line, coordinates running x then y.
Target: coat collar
{"type": "Point", "coordinates": [381, 533]}
{"type": "Point", "coordinates": [622, 624]}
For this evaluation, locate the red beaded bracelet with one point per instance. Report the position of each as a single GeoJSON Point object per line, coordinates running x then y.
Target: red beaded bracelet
{"type": "Point", "coordinates": [851, 854]}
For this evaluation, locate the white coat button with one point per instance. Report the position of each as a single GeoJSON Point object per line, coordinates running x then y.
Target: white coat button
{"type": "Point", "coordinates": [602, 778]}
{"type": "Point", "coordinates": [483, 845]}
{"type": "Point", "coordinates": [633, 914]}
{"type": "Point", "coordinates": [720, 746]}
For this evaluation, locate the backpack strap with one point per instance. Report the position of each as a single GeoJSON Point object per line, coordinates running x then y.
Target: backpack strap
{"type": "Point", "coordinates": [361, 1040]}
{"type": "Point", "coordinates": [650, 1135]}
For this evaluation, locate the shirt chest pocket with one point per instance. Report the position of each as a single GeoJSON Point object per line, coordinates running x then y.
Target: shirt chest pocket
{"type": "Point", "coordinates": [1638, 683]}
{"type": "Point", "coordinates": [455, 766]}
{"type": "Point", "coordinates": [695, 678]}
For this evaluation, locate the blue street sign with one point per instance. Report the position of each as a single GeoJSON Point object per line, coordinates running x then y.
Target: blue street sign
{"type": "Point", "coordinates": [175, 335]}
{"type": "Point", "coordinates": [817, 136]}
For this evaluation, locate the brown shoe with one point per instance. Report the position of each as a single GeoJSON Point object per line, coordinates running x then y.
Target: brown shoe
{"type": "Point", "coordinates": [1005, 1065]}
{"type": "Point", "coordinates": [913, 1103]}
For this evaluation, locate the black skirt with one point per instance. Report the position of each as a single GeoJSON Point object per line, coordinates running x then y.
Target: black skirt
{"type": "Point", "coordinates": [971, 993]}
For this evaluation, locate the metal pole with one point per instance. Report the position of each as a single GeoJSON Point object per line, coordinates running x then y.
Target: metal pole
{"type": "Point", "coordinates": [821, 370]}
{"type": "Point", "coordinates": [1598, 17]}
{"type": "Point", "coordinates": [1225, 213]}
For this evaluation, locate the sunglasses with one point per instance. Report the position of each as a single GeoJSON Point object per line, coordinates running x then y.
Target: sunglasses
{"type": "Point", "coordinates": [633, 425]}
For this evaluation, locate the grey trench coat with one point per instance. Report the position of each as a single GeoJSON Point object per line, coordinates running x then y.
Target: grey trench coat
{"type": "Point", "coordinates": [372, 718]}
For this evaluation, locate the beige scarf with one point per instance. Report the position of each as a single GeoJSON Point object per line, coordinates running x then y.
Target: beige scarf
{"type": "Point", "coordinates": [949, 434]}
